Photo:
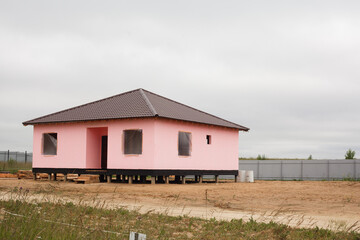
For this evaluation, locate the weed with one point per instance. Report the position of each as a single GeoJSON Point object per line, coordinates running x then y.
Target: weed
{"type": "Point", "coordinates": [13, 166]}
{"type": "Point", "coordinates": [351, 179]}
{"type": "Point", "coordinates": [66, 220]}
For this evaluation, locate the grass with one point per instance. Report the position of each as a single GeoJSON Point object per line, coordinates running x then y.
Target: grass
{"type": "Point", "coordinates": [264, 157]}
{"type": "Point", "coordinates": [60, 220]}
{"type": "Point", "coordinates": [13, 166]}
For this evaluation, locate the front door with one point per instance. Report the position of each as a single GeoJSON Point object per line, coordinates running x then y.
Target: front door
{"type": "Point", "coordinates": [104, 143]}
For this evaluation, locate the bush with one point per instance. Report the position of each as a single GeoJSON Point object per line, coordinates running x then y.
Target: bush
{"type": "Point", "coordinates": [259, 157]}
{"type": "Point", "coordinates": [350, 154]}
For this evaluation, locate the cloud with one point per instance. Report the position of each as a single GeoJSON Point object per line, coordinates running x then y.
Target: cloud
{"type": "Point", "coordinates": [287, 70]}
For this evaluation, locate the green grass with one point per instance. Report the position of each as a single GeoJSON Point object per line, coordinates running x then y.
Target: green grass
{"type": "Point", "coordinates": [22, 220]}
{"type": "Point", "coordinates": [13, 166]}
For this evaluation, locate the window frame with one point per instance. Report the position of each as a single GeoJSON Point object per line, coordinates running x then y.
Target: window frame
{"type": "Point", "coordinates": [190, 144]}
{"type": "Point", "coordinates": [124, 142]}
{"type": "Point", "coordinates": [43, 144]}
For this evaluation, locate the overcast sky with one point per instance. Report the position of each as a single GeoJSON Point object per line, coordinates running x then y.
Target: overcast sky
{"type": "Point", "coordinates": [288, 70]}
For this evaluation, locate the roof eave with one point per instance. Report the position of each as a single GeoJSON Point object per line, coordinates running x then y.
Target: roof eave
{"type": "Point", "coordinates": [84, 120]}
{"type": "Point", "coordinates": [240, 128]}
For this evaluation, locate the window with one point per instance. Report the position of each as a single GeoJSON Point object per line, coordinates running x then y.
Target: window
{"type": "Point", "coordinates": [49, 144]}
{"type": "Point", "coordinates": [184, 144]}
{"type": "Point", "coordinates": [208, 139]}
{"type": "Point", "coordinates": [133, 141]}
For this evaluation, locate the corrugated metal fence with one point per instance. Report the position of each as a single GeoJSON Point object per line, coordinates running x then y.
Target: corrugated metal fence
{"type": "Point", "coordinates": [302, 169]}
{"type": "Point", "coordinates": [18, 156]}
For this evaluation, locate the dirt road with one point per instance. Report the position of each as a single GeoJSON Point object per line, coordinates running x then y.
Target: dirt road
{"type": "Point", "coordinates": [334, 205]}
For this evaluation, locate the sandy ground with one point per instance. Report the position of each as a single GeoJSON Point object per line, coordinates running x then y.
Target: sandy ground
{"type": "Point", "coordinates": [333, 205]}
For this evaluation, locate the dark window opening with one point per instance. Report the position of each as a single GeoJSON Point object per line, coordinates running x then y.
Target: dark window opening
{"type": "Point", "coordinates": [184, 146]}
{"type": "Point", "coordinates": [104, 147]}
{"type": "Point", "coordinates": [208, 139]}
{"type": "Point", "coordinates": [133, 141]}
{"type": "Point", "coordinates": [49, 144]}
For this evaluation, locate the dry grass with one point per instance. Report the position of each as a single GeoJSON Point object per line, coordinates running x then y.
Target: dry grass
{"type": "Point", "coordinates": [13, 166]}
{"type": "Point", "coordinates": [22, 218]}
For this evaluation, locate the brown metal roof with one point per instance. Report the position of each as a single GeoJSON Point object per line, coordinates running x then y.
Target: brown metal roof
{"type": "Point", "coordinates": [134, 104]}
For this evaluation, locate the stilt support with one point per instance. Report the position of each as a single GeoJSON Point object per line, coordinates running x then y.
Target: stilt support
{"type": "Point", "coordinates": [49, 176]}
{"type": "Point", "coordinates": [65, 177]}
{"type": "Point", "coordinates": [200, 179]}
{"type": "Point", "coordinates": [166, 179]}
{"type": "Point", "coordinates": [130, 179]}
{"type": "Point", "coordinates": [108, 178]}
{"type": "Point", "coordinates": [34, 176]}
{"type": "Point", "coordinates": [183, 180]}
{"type": "Point", "coordinates": [153, 179]}
{"type": "Point", "coordinates": [216, 178]}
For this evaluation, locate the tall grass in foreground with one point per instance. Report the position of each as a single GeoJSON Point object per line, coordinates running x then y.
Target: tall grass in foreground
{"type": "Point", "coordinates": [47, 220]}
{"type": "Point", "coordinates": [13, 166]}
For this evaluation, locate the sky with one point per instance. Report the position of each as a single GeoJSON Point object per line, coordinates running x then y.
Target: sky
{"type": "Point", "coordinates": [288, 70]}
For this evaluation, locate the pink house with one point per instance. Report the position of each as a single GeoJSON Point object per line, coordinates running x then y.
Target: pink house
{"type": "Point", "coordinates": [136, 133]}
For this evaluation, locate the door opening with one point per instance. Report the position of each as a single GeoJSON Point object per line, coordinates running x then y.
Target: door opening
{"type": "Point", "coordinates": [104, 143]}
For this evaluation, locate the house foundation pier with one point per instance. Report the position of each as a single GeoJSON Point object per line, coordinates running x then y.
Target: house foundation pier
{"type": "Point", "coordinates": [108, 178]}
{"type": "Point", "coordinates": [153, 179]}
{"type": "Point", "coordinates": [183, 180]}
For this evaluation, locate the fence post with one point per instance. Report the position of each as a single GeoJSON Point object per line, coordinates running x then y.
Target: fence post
{"type": "Point", "coordinates": [25, 156]}
{"type": "Point", "coordinates": [258, 169]}
{"type": "Point", "coordinates": [16, 156]}
{"type": "Point", "coordinates": [302, 170]}
{"type": "Point", "coordinates": [328, 170]}
{"type": "Point", "coordinates": [8, 158]}
{"type": "Point", "coordinates": [281, 170]}
{"type": "Point", "coordinates": [355, 169]}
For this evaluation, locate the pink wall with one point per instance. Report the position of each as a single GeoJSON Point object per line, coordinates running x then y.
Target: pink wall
{"type": "Point", "coordinates": [221, 154]}
{"type": "Point", "coordinates": [79, 145]}
{"type": "Point", "coordinates": [71, 146]}
{"type": "Point", "coordinates": [116, 157]}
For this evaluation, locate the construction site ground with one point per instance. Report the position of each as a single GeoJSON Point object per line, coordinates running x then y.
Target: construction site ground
{"type": "Point", "coordinates": [326, 204]}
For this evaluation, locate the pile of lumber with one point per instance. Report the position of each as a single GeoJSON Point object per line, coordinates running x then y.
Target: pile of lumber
{"type": "Point", "coordinates": [25, 174]}
{"type": "Point", "coordinates": [72, 177]}
{"type": "Point", "coordinates": [42, 176]}
{"type": "Point", "coordinates": [7, 175]}
{"type": "Point", "coordinates": [85, 178]}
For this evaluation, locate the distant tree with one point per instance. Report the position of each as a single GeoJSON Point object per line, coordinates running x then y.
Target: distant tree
{"type": "Point", "coordinates": [310, 157]}
{"type": "Point", "coordinates": [350, 154]}
{"type": "Point", "coordinates": [259, 157]}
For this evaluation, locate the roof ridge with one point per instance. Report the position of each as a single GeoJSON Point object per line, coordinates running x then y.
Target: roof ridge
{"type": "Point", "coordinates": [82, 105]}
{"type": "Point", "coordinates": [196, 109]}
{"type": "Point", "coordinates": [148, 103]}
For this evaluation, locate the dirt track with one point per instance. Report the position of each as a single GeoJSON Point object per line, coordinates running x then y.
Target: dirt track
{"type": "Point", "coordinates": [333, 205]}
